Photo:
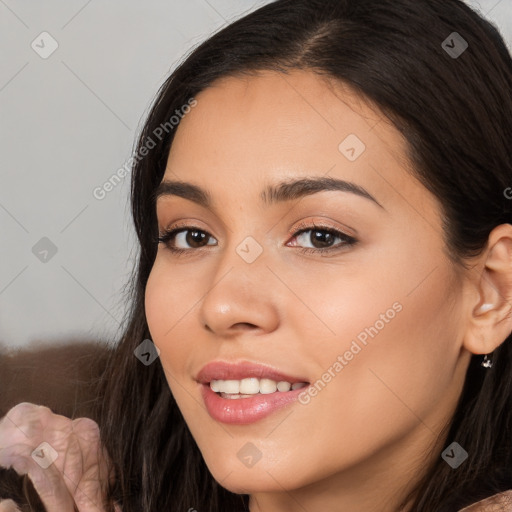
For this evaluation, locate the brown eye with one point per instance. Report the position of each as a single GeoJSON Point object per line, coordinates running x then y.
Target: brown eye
{"type": "Point", "coordinates": [322, 239]}
{"type": "Point", "coordinates": [195, 238]}
{"type": "Point", "coordinates": [190, 237]}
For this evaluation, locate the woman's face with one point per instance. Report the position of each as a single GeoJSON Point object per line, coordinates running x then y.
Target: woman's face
{"type": "Point", "coordinates": [373, 326]}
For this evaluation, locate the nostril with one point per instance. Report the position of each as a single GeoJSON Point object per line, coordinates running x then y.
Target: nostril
{"type": "Point", "coordinates": [244, 325]}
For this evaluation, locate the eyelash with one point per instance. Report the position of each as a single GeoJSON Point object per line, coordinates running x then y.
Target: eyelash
{"type": "Point", "coordinates": [348, 241]}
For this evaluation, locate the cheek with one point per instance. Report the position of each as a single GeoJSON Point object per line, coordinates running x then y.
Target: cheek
{"type": "Point", "coordinates": [154, 303]}
{"type": "Point", "coordinates": [170, 305]}
{"type": "Point", "coordinates": [167, 301]}
{"type": "Point", "coordinates": [401, 351]}
{"type": "Point", "coordinates": [161, 311]}
{"type": "Point", "coordinates": [163, 323]}
{"type": "Point", "coordinates": [399, 378]}
{"type": "Point", "coordinates": [397, 329]}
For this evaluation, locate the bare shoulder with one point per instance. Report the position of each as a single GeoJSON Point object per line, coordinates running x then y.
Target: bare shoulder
{"type": "Point", "coordinates": [501, 502]}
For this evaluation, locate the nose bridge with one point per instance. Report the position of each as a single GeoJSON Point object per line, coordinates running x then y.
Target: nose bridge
{"type": "Point", "coordinates": [240, 289]}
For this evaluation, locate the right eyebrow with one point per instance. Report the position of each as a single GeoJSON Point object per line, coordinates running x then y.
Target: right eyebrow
{"type": "Point", "coordinates": [185, 190]}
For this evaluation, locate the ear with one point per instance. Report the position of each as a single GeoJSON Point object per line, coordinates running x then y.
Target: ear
{"type": "Point", "coordinates": [490, 315]}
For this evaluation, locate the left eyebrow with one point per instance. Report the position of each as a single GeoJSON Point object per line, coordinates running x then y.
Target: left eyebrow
{"type": "Point", "coordinates": [297, 188]}
{"type": "Point", "coordinates": [284, 191]}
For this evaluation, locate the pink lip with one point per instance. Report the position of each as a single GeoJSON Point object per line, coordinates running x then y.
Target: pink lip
{"type": "Point", "coordinates": [244, 410]}
{"type": "Point", "coordinates": [221, 370]}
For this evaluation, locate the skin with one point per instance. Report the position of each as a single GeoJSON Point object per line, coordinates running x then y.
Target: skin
{"type": "Point", "coordinates": [365, 438]}
{"type": "Point", "coordinates": [75, 477]}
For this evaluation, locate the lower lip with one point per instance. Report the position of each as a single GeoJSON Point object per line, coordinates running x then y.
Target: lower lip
{"type": "Point", "coordinates": [241, 411]}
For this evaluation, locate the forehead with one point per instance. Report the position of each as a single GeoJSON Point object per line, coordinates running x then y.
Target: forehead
{"type": "Point", "coordinates": [253, 115]}
{"type": "Point", "coordinates": [254, 129]}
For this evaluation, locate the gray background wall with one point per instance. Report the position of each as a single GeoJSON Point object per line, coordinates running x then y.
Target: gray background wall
{"type": "Point", "coordinates": [68, 120]}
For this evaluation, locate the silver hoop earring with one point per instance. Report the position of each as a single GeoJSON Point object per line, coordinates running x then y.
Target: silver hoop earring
{"type": "Point", "coordinates": [487, 363]}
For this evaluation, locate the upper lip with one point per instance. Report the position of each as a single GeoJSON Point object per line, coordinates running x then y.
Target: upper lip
{"type": "Point", "coordinates": [223, 370]}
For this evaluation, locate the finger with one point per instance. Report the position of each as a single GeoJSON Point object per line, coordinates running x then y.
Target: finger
{"type": "Point", "coordinates": [28, 457]}
{"type": "Point", "coordinates": [8, 506]}
{"type": "Point", "coordinates": [22, 426]}
{"type": "Point", "coordinates": [91, 477]}
{"type": "Point", "coordinates": [75, 472]}
{"type": "Point", "coordinates": [49, 485]}
{"type": "Point", "coordinates": [14, 427]}
{"type": "Point", "coordinates": [28, 418]}
{"type": "Point", "coordinates": [89, 495]}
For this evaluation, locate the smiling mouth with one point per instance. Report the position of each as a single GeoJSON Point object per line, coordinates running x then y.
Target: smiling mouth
{"type": "Point", "coordinates": [247, 394]}
{"type": "Point", "coordinates": [252, 386]}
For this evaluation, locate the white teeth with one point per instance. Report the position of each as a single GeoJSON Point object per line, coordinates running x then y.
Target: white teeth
{"type": "Point", "coordinates": [268, 386]}
{"type": "Point", "coordinates": [234, 397]}
{"type": "Point", "coordinates": [251, 386]}
{"type": "Point", "coordinates": [283, 386]}
{"type": "Point", "coordinates": [230, 386]}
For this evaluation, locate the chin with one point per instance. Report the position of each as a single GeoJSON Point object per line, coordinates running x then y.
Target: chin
{"type": "Point", "coordinates": [240, 480]}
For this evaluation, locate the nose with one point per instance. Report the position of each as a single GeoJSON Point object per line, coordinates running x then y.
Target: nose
{"type": "Point", "coordinates": [242, 297]}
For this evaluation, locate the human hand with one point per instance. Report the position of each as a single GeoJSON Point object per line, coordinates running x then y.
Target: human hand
{"type": "Point", "coordinates": [69, 472]}
{"type": "Point", "coordinates": [8, 506]}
